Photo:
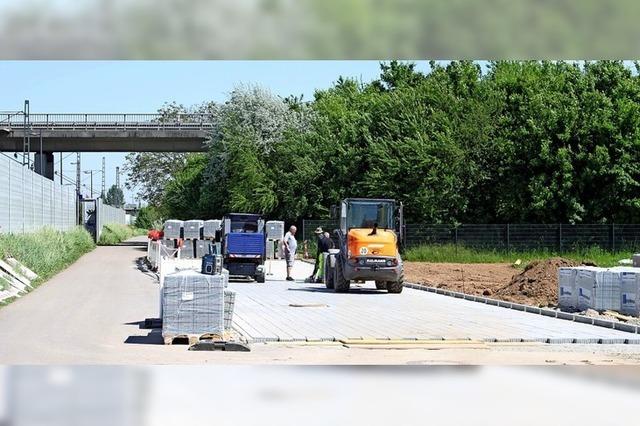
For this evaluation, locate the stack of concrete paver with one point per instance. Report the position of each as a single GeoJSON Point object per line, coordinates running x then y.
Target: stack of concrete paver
{"type": "Point", "coordinates": [588, 287]}
{"type": "Point", "coordinates": [210, 228]}
{"type": "Point", "coordinates": [197, 236]}
{"type": "Point", "coordinates": [172, 233]}
{"type": "Point", "coordinates": [192, 305]}
{"type": "Point", "coordinates": [192, 229]}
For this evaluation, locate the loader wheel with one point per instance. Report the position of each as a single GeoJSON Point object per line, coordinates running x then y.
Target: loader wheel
{"type": "Point", "coordinates": [340, 285]}
{"type": "Point", "coordinates": [381, 285]}
{"type": "Point", "coordinates": [396, 286]}
{"type": "Point", "coordinates": [328, 278]}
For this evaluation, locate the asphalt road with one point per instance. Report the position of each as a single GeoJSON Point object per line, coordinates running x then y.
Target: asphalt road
{"type": "Point", "coordinates": [91, 314]}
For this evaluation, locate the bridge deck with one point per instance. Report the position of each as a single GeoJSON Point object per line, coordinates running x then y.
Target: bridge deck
{"type": "Point", "coordinates": [105, 132]}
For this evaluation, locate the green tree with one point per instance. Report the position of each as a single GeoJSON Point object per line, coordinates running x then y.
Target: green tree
{"type": "Point", "coordinates": [114, 197]}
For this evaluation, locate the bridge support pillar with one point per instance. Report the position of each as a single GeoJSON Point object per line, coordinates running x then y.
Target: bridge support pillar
{"type": "Point", "coordinates": [43, 164]}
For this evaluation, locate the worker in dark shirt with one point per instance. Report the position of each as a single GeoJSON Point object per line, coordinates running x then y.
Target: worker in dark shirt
{"type": "Point", "coordinates": [323, 244]}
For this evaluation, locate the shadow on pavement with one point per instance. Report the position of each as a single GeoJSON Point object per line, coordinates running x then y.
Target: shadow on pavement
{"type": "Point", "coordinates": [153, 338]}
{"type": "Point", "coordinates": [327, 290]}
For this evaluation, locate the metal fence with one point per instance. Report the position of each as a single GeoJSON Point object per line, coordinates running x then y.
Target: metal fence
{"type": "Point", "coordinates": [29, 201]}
{"type": "Point", "coordinates": [552, 237]}
{"type": "Point", "coordinates": [115, 121]}
{"type": "Point", "coordinates": [108, 215]}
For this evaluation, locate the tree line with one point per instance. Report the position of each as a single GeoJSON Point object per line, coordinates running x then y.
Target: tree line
{"type": "Point", "coordinates": [537, 142]}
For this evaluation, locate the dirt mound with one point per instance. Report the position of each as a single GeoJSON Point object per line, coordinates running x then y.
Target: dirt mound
{"type": "Point", "coordinates": [537, 284]}
{"type": "Point", "coordinates": [471, 278]}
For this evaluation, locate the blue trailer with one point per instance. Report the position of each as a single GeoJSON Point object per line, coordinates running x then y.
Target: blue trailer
{"type": "Point", "coordinates": [243, 245]}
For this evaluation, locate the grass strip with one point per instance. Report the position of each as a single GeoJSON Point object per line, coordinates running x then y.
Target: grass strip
{"type": "Point", "coordinates": [114, 233]}
{"type": "Point", "coordinates": [450, 253]}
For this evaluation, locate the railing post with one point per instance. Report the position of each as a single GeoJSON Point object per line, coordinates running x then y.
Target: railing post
{"type": "Point", "coordinates": [85, 122]}
{"type": "Point", "coordinates": [560, 237]}
{"type": "Point", "coordinates": [613, 237]}
{"type": "Point", "coordinates": [124, 121]}
{"type": "Point", "coordinates": [455, 237]}
{"type": "Point", "coordinates": [508, 239]}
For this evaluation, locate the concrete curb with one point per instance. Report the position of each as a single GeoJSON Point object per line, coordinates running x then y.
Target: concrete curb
{"type": "Point", "coordinates": [535, 310]}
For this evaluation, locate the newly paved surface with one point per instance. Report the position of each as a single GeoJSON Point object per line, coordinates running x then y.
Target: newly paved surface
{"type": "Point", "coordinates": [91, 312]}
{"type": "Point", "coordinates": [292, 311]}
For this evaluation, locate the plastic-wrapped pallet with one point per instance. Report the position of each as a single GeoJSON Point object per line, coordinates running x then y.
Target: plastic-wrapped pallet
{"type": "Point", "coordinates": [210, 227]}
{"type": "Point", "coordinates": [78, 395]}
{"type": "Point", "coordinates": [607, 290]}
{"type": "Point", "coordinates": [585, 283]}
{"type": "Point", "coordinates": [275, 230]}
{"type": "Point", "coordinates": [629, 291]}
{"type": "Point", "coordinates": [270, 249]}
{"type": "Point", "coordinates": [229, 304]}
{"type": "Point", "coordinates": [192, 229]}
{"type": "Point", "coordinates": [187, 251]}
{"type": "Point", "coordinates": [173, 229]}
{"type": "Point", "coordinates": [168, 248]}
{"type": "Point", "coordinates": [202, 247]}
{"type": "Point", "coordinates": [567, 292]}
{"type": "Point", "coordinates": [192, 304]}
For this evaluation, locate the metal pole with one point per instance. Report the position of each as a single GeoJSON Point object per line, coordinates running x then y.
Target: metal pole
{"type": "Point", "coordinates": [508, 239]}
{"type": "Point", "coordinates": [103, 180]}
{"type": "Point", "coordinates": [41, 163]}
{"type": "Point", "coordinates": [560, 237]}
{"type": "Point", "coordinates": [613, 237]}
{"type": "Point", "coordinates": [61, 169]}
{"type": "Point", "coordinates": [91, 188]}
{"type": "Point", "coordinates": [117, 177]}
{"type": "Point", "coordinates": [25, 119]}
{"type": "Point", "coordinates": [78, 189]}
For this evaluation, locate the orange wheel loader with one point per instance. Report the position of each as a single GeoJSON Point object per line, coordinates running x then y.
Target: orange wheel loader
{"type": "Point", "coordinates": [369, 241]}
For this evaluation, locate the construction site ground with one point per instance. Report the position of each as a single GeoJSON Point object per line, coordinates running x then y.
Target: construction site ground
{"type": "Point", "coordinates": [92, 313]}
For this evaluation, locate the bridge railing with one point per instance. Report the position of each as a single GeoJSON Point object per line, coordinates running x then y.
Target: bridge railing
{"type": "Point", "coordinates": [86, 121]}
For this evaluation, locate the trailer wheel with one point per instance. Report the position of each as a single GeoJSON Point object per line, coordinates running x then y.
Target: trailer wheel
{"type": "Point", "coordinates": [340, 285]}
{"type": "Point", "coordinates": [396, 286]}
{"type": "Point", "coordinates": [381, 285]}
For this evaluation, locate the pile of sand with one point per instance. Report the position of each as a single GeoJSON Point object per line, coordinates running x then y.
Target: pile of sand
{"type": "Point", "coordinates": [537, 285]}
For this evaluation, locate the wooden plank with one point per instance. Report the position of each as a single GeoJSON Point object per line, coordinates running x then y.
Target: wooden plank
{"type": "Point", "coordinates": [11, 271]}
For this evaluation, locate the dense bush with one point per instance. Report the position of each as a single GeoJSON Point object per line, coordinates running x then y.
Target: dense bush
{"type": "Point", "coordinates": [148, 218]}
{"type": "Point", "coordinates": [515, 142]}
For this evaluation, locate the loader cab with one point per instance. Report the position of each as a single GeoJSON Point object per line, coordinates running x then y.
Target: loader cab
{"type": "Point", "coordinates": [365, 214]}
{"type": "Point", "coordinates": [358, 213]}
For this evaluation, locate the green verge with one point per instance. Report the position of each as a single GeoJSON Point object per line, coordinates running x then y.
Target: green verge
{"type": "Point", "coordinates": [114, 233]}
{"type": "Point", "coordinates": [46, 252]}
{"type": "Point", "coordinates": [450, 253]}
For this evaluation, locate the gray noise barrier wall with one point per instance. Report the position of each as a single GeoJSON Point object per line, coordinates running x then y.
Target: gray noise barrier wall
{"type": "Point", "coordinates": [29, 202]}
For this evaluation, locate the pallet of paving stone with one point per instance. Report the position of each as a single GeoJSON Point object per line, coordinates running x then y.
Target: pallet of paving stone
{"type": "Point", "coordinates": [210, 228]}
{"type": "Point", "coordinates": [173, 229]}
{"type": "Point", "coordinates": [192, 339]}
{"type": "Point", "coordinates": [192, 305]}
{"type": "Point", "coordinates": [192, 229]}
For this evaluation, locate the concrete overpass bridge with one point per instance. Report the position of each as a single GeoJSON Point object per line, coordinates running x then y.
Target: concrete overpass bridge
{"type": "Point", "coordinates": [85, 132]}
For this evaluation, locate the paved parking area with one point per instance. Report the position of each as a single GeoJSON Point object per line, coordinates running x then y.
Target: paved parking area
{"type": "Point", "coordinates": [292, 311]}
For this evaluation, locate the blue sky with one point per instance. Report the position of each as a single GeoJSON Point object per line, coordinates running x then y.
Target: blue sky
{"type": "Point", "coordinates": [144, 86]}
